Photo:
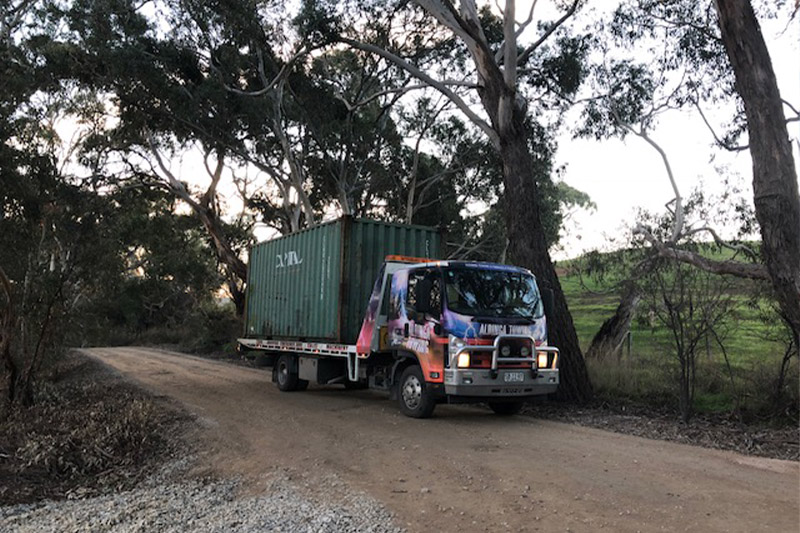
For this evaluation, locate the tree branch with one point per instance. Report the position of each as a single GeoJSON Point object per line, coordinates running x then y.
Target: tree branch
{"type": "Point", "coordinates": [717, 239]}
{"type": "Point", "coordinates": [733, 268]}
{"type": "Point", "coordinates": [498, 57]}
{"type": "Point", "coordinates": [446, 14]}
{"type": "Point", "coordinates": [719, 141]}
{"type": "Point", "coordinates": [417, 73]}
{"type": "Point", "coordinates": [401, 90]}
{"type": "Point", "coordinates": [523, 57]}
{"type": "Point", "coordinates": [510, 46]}
{"type": "Point", "coordinates": [174, 183]}
{"type": "Point", "coordinates": [677, 227]}
{"type": "Point", "coordinates": [790, 106]}
{"type": "Point", "coordinates": [268, 85]}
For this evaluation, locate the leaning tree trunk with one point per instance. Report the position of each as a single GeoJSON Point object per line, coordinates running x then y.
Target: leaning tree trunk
{"type": "Point", "coordinates": [612, 333]}
{"type": "Point", "coordinates": [236, 269]}
{"type": "Point", "coordinates": [529, 248]}
{"type": "Point", "coordinates": [776, 197]}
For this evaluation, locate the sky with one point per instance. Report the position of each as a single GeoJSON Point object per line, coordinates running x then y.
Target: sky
{"type": "Point", "coordinates": [622, 176]}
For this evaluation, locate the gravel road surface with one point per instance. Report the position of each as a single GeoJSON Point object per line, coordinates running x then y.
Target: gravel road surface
{"type": "Point", "coordinates": [463, 470]}
{"type": "Point", "coordinates": [210, 506]}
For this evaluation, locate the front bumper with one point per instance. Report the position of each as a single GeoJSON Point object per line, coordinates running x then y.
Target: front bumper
{"type": "Point", "coordinates": [481, 383]}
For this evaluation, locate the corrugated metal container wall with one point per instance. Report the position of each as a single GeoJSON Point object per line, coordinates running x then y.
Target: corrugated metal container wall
{"type": "Point", "coordinates": [315, 284]}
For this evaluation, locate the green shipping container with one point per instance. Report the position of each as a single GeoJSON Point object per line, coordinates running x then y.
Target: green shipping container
{"type": "Point", "coordinates": [315, 284]}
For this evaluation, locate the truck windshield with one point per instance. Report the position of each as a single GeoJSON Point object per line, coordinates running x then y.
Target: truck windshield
{"type": "Point", "coordinates": [492, 293]}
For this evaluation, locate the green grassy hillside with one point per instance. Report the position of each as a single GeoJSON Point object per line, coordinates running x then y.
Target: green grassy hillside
{"type": "Point", "coordinates": [646, 371]}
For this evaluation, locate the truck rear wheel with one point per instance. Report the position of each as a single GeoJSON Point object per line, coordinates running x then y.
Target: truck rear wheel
{"type": "Point", "coordinates": [414, 395]}
{"type": "Point", "coordinates": [505, 408]}
{"type": "Point", "coordinates": [286, 377]}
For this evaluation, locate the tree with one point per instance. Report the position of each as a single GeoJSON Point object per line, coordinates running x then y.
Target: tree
{"type": "Point", "coordinates": [68, 225]}
{"type": "Point", "coordinates": [169, 270]}
{"type": "Point", "coordinates": [775, 189]}
{"type": "Point", "coordinates": [692, 305]}
{"type": "Point", "coordinates": [492, 46]}
{"type": "Point", "coordinates": [702, 54]}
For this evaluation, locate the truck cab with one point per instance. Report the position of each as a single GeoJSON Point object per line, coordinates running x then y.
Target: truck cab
{"type": "Point", "coordinates": [455, 332]}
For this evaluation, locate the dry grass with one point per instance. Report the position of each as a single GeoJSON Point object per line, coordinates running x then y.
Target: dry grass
{"type": "Point", "coordinates": [88, 431]}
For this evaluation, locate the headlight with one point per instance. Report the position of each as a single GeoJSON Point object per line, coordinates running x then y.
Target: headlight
{"type": "Point", "coordinates": [542, 360]}
{"type": "Point", "coordinates": [463, 360]}
{"type": "Point", "coordinates": [505, 351]}
{"type": "Point", "coordinates": [524, 351]}
{"type": "Point", "coordinates": [454, 344]}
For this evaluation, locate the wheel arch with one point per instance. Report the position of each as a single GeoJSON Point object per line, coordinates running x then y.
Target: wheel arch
{"type": "Point", "coordinates": [403, 359]}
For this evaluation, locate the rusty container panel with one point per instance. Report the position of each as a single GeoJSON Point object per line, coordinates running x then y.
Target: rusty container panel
{"type": "Point", "coordinates": [315, 284]}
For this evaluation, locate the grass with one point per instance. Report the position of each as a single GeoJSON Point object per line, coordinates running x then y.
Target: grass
{"type": "Point", "coordinates": [648, 374]}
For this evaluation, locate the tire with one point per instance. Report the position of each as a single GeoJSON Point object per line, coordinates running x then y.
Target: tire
{"type": "Point", "coordinates": [505, 408]}
{"type": "Point", "coordinates": [413, 394]}
{"type": "Point", "coordinates": [285, 377]}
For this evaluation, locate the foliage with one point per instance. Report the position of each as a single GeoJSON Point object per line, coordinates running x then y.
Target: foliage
{"type": "Point", "coordinates": [73, 242]}
{"type": "Point", "coordinates": [692, 306]}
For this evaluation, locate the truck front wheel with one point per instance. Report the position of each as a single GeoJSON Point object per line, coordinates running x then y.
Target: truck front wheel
{"type": "Point", "coordinates": [286, 375]}
{"type": "Point", "coordinates": [414, 395]}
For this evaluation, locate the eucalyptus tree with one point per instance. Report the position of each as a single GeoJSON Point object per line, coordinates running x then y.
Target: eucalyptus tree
{"type": "Point", "coordinates": [665, 56]}
{"type": "Point", "coordinates": [248, 84]}
{"type": "Point", "coordinates": [499, 84]}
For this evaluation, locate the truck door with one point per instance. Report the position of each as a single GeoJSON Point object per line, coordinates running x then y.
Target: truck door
{"type": "Point", "coordinates": [422, 329]}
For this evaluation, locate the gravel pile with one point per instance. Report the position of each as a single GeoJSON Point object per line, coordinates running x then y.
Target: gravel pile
{"type": "Point", "coordinates": [203, 505]}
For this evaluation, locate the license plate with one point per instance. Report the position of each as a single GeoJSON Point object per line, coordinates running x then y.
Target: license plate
{"type": "Point", "coordinates": [514, 377]}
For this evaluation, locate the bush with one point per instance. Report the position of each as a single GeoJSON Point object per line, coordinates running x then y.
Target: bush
{"type": "Point", "coordinates": [213, 329]}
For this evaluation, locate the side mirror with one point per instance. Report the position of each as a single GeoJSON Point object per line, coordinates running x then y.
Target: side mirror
{"type": "Point", "coordinates": [423, 304]}
{"type": "Point", "coordinates": [548, 301]}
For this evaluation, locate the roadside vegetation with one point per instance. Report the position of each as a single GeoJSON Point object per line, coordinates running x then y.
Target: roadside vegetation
{"type": "Point", "coordinates": [743, 364]}
{"type": "Point", "coordinates": [88, 431]}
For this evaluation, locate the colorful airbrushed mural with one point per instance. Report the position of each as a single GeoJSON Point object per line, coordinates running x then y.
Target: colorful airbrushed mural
{"type": "Point", "coordinates": [427, 335]}
{"type": "Point", "coordinates": [363, 344]}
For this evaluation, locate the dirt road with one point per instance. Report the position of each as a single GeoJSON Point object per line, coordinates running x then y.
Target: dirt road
{"type": "Point", "coordinates": [466, 469]}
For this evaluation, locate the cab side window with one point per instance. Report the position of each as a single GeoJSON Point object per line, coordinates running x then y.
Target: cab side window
{"type": "Point", "coordinates": [387, 291]}
{"type": "Point", "coordinates": [424, 296]}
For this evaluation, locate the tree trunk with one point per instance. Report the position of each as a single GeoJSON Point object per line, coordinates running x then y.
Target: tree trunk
{"type": "Point", "coordinates": [780, 383]}
{"type": "Point", "coordinates": [10, 370]}
{"type": "Point", "coordinates": [497, 91]}
{"type": "Point", "coordinates": [225, 253]}
{"type": "Point", "coordinates": [237, 296]}
{"type": "Point", "coordinates": [528, 248]}
{"type": "Point", "coordinates": [777, 201]}
{"type": "Point", "coordinates": [235, 267]}
{"type": "Point", "coordinates": [612, 333]}
{"type": "Point", "coordinates": [685, 402]}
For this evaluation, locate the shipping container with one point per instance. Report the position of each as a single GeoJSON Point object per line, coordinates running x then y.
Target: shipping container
{"type": "Point", "coordinates": [315, 284]}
